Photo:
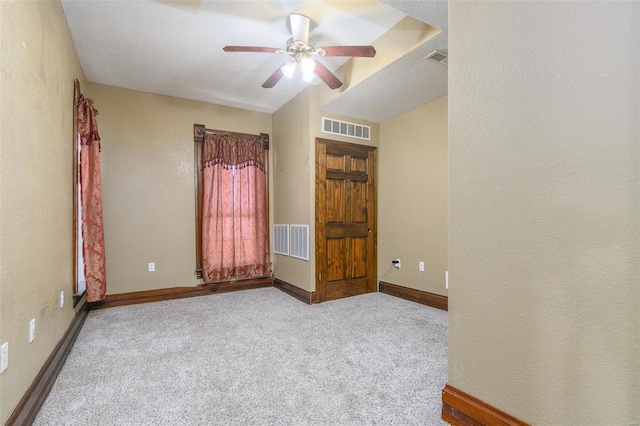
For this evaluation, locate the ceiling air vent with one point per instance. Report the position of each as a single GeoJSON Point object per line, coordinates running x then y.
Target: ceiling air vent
{"type": "Point", "coordinates": [343, 128]}
{"type": "Point", "coordinates": [438, 56]}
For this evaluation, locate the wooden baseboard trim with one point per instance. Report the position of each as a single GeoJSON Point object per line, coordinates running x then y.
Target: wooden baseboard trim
{"type": "Point", "coordinates": [418, 296]}
{"type": "Point", "coordinates": [297, 292]}
{"type": "Point", "coordinates": [461, 409]}
{"type": "Point", "coordinates": [136, 297]}
{"type": "Point", "coordinates": [28, 407]}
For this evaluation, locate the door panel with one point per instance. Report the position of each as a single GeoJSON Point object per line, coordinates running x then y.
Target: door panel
{"type": "Point", "coordinates": [359, 257]}
{"type": "Point", "coordinates": [358, 202]}
{"type": "Point", "coordinates": [335, 162]}
{"type": "Point", "coordinates": [335, 201]}
{"type": "Point", "coordinates": [339, 289]}
{"type": "Point", "coordinates": [335, 260]}
{"type": "Point", "coordinates": [345, 219]}
{"type": "Point", "coordinates": [359, 164]}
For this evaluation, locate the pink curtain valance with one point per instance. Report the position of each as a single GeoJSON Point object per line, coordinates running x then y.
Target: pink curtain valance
{"type": "Point", "coordinates": [232, 149]}
{"type": "Point", "coordinates": [87, 125]}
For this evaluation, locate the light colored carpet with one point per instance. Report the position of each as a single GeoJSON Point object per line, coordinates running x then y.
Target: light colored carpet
{"type": "Point", "coordinates": [256, 357]}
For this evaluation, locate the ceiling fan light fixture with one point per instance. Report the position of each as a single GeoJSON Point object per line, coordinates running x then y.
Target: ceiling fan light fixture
{"type": "Point", "coordinates": [307, 76]}
{"type": "Point", "coordinates": [288, 69]}
{"type": "Point", "coordinates": [307, 65]}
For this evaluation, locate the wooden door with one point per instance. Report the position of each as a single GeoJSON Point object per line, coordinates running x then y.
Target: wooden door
{"type": "Point", "coordinates": [346, 258]}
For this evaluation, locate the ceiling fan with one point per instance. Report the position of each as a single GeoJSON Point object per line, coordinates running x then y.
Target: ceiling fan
{"type": "Point", "coordinates": [302, 49]}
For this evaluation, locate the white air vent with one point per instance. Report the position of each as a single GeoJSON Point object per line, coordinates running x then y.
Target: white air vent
{"type": "Point", "coordinates": [281, 239]}
{"type": "Point", "coordinates": [438, 56]}
{"type": "Point", "coordinates": [343, 128]}
{"type": "Point", "coordinates": [300, 241]}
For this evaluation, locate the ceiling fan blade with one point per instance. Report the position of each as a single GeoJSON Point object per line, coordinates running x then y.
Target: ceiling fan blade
{"type": "Point", "coordinates": [299, 27]}
{"type": "Point", "coordinates": [273, 79]}
{"type": "Point", "coordinates": [327, 76]}
{"type": "Point", "coordinates": [250, 49]}
{"type": "Point", "coordinates": [359, 51]}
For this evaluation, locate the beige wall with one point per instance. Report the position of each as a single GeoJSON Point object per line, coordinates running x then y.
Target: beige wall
{"type": "Point", "coordinates": [412, 198]}
{"type": "Point", "coordinates": [315, 122]}
{"type": "Point", "coordinates": [38, 66]}
{"type": "Point", "coordinates": [544, 204]}
{"type": "Point", "coordinates": [292, 166]}
{"type": "Point", "coordinates": [296, 126]}
{"type": "Point", "coordinates": [147, 182]}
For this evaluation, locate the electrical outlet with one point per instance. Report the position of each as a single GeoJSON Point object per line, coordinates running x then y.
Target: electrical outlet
{"type": "Point", "coordinates": [396, 263]}
{"type": "Point", "coordinates": [446, 280]}
{"type": "Point", "coordinates": [4, 357]}
{"type": "Point", "coordinates": [152, 266]}
{"type": "Point", "coordinates": [421, 266]}
{"type": "Point", "coordinates": [61, 299]}
{"type": "Point", "coordinates": [32, 330]}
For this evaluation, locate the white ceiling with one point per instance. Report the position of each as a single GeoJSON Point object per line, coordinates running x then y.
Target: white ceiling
{"type": "Point", "coordinates": [175, 48]}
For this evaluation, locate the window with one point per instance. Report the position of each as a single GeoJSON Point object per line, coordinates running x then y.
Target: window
{"type": "Point", "coordinates": [232, 238]}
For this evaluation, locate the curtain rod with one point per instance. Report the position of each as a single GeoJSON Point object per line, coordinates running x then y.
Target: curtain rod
{"type": "Point", "coordinates": [76, 92]}
{"type": "Point", "coordinates": [212, 131]}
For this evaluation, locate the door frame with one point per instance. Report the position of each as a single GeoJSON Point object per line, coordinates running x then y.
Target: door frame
{"type": "Point", "coordinates": [320, 225]}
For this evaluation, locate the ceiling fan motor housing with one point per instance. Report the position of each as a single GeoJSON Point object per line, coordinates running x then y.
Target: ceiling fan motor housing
{"type": "Point", "coordinates": [299, 46]}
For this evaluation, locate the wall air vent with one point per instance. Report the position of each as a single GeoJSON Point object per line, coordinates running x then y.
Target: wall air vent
{"type": "Point", "coordinates": [300, 241]}
{"type": "Point", "coordinates": [438, 56]}
{"type": "Point", "coordinates": [281, 239]}
{"type": "Point", "coordinates": [343, 128]}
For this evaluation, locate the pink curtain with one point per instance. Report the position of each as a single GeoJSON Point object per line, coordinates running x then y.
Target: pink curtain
{"type": "Point", "coordinates": [234, 228]}
{"type": "Point", "coordinates": [91, 200]}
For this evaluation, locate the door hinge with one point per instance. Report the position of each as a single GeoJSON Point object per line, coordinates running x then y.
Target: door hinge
{"type": "Point", "coordinates": [320, 276]}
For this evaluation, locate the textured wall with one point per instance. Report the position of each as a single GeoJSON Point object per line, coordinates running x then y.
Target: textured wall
{"type": "Point", "coordinates": [543, 216]}
{"type": "Point", "coordinates": [315, 124]}
{"type": "Point", "coordinates": [296, 126]}
{"type": "Point", "coordinates": [412, 201]}
{"type": "Point", "coordinates": [38, 67]}
{"type": "Point", "coordinates": [292, 175]}
{"type": "Point", "coordinates": [147, 182]}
